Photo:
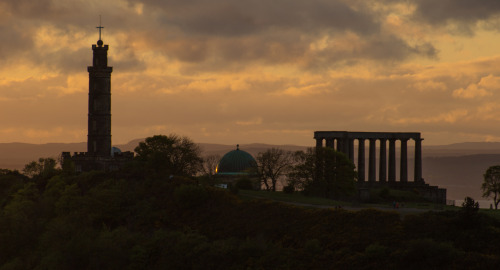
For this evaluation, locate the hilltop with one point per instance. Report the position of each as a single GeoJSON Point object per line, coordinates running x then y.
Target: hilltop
{"type": "Point", "coordinates": [458, 167]}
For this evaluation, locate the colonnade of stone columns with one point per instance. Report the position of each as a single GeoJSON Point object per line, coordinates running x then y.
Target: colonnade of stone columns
{"type": "Point", "coordinates": [344, 142]}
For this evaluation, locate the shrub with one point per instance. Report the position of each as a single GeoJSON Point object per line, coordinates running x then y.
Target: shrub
{"type": "Point", "coordinates": [244, 183]}
{"type": "Point", "coordinates": [385, 193]}
{"type": "Point", "coordinates": [429, 254]}
{"type": "Point", "coordinates": [190, 196]}
{"type": "Point", "coordinates": [288, 189]}
{"type": "Point", "coordinates": [470, 205]}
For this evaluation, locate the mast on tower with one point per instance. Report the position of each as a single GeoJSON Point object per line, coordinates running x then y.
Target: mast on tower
{"type": "Point", "coordinates": [100, 27]}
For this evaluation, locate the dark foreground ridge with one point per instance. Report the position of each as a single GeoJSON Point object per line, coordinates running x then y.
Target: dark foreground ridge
{"type": "Point", "coordinates": [129, 220]}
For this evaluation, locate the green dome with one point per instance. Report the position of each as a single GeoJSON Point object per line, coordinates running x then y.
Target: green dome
{"type": "Point", "coordinates": [236, 162]}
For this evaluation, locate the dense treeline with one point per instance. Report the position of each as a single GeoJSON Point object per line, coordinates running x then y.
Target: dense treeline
{"type": "Point", "coordinates": [132, 220]}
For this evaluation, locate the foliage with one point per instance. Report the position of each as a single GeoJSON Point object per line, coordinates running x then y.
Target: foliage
{"type": "Point", "coordinates": [388, 195]}
{"type": "Point", "coordinates": [244, 183]}
{"type": "Point", "coordinates": [491, 184]}
{"type": "Point", "coordinates": [430, 254]}
{"type": "Point", "coordinates": [169, 155]}
{"type": "Point", "coordinates": [469, 205]}
{"type": "Point", "coordinates": [209, 165]}
{"type": "Point", "coordinates": [469, 213]}
{"type": "Point", "coordinates": [99, 220]}
{"type": "Point", "coordinates": [272, 164]}
{"type": "Point", "coordinates": [323, 172]}
{"type": "Point", "coordinates": [10, 182]}
{"type": "Point", "coordinates": [288, 189]}
{"type": "Point", "coordinates": [44, 168]}
{"type": "Point", "coordinates": [190, 196]}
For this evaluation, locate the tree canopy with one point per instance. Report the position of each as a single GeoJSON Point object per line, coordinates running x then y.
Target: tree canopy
{"type": "Point", "coordinates": [110, 220]}
{"type": "Point", "coordinates": [491, 184]}
{"type": "Point", "coordinates": [170, 155]}
{"type": "Point", "coordinates": [272, 164]}
{"type": "Point", "coordinates": [99, 220]}
{"type": "Point", "coordinates": [45, 167]}
{"type": "Point", "coordinates": [323, 172]}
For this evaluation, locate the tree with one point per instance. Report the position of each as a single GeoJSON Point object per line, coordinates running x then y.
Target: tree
{"type": "Point", "coordinates": [323, 172]}
{"type": "Point", "coordinates": [272, 164]}
{"type": "Point", "coordinates": [45, 168]}
{"type": "Point", "coordinates": [170, 155]}
{"type": "Point", "coordinates": [210, 163]}
{"type": "Point", "coordinates": [470, 205]}
{"type": "Point", "coordinates": [491, 184]}
{"type": "Point", "coordinates": [303, 170]}
{"type": "Point", "coordinates": [469, 213]}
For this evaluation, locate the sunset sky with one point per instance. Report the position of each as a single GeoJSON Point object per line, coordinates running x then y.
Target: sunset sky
{"type": "Point", "coordinates": [228, 71]}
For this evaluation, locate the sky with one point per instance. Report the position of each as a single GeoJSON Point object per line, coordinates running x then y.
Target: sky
{"type": "Point", "coordinates": [255, 71]}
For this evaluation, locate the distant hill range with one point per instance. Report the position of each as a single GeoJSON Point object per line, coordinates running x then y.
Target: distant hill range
{"type": "Point", "coordinates": [457, 167]}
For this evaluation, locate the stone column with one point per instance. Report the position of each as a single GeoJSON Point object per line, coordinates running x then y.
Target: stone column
{"type": "Point", "coordinates": [319, 159]}
{"type": "Point", "coordinates": [392, 160]}
{"type": "Point", "coordinates": [340, 145]}
{"type": "Point", "coordinates": [404, 161]}
{"type": "Point", "coordinates": [372, 161]}
{"type": "Point", "coordinates": [351, 150]}
{"type": "Point", "coordinates": [382, 176]}
{"type": "Point", "coordinates": [361, 160]}
{"type": "Point", "coordinates": [345, 143]}
{"type": "Point", "coordinates": [328, 162]}
{"type": "Point", "coordinates": [418, 161]}
{"type": "Point", "coordinates": [319, 142]}
{"type": "Point", "coordinates": [330, 142]}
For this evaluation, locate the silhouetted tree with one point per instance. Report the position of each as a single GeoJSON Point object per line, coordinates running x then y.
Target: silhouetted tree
{"type": "Point", "coordinates": [41, 171]}
{"type": "Point", "coordinates": [170, 155]}
{"type": "Point", "coordinates": [469, 213]}
{"type": "Point", "coordinates": [272, 164]}
{"type": "Point", "coordinates": [210, 163]}
{"type": "Point", "coordinates": [303, 170]}
{"type": "Point", "coordinates": [470, 205]}
{"type": "Point", "coordinates": [323, 172]}
{"type": "Point", "coordinates": [491, 184]}
{"type": "Point", "coordinates": [45, 167]}
{"type": "Point", "coordinates": [10, 182]}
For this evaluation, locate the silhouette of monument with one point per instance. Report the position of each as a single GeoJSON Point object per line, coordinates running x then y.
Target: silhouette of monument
{"type": "Point", "coordinates": [100, 154]}
{"type": "Point", "coordinates": [343, 141]}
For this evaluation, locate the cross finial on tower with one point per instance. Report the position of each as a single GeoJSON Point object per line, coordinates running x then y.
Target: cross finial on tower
{"type": "Point", "coordinates": [100, 27]}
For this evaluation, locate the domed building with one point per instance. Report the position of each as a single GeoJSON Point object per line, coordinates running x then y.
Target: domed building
{"type": "Point", "coordinates": [235, 165]}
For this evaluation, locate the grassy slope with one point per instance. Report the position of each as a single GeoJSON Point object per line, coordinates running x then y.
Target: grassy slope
{"type": "Point", "coordinates": [411, 201]}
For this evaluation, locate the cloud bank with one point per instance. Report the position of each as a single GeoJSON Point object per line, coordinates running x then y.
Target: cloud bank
{"type": "Point", "coordinates": [253, 71]}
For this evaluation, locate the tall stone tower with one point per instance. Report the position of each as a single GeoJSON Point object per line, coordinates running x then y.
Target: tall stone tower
{"type": "Point", "coordinates": [99, 155]}
{"type": "Point", "coordinates": [99, 117]}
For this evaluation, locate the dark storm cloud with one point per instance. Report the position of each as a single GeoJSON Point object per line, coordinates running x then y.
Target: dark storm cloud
{"type": "Point", "coordinates": [234, 18]}
{"type": "Point", "coordinates": [58, 60]}
{"type": "Point", "coordinates": [60, 13]}
{"type": "Point", "coordinates": [222, 33]}
{"type": "Point", "coordinates": [23, 18]}
{"type": "Point", "coordinates": [459, 11]}
{"type": "Point", "coordinates": [219, 33]}
{"type": "Point", "coordinates": [240, 18]}
{"type": "Point", "coordinates": [13, 41]}
{"type": "Point", "coordinates": [28, 8]}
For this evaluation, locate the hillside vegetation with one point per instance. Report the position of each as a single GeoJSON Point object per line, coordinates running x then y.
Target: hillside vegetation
{"type": "Point", "coordinates": [132, 220]}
